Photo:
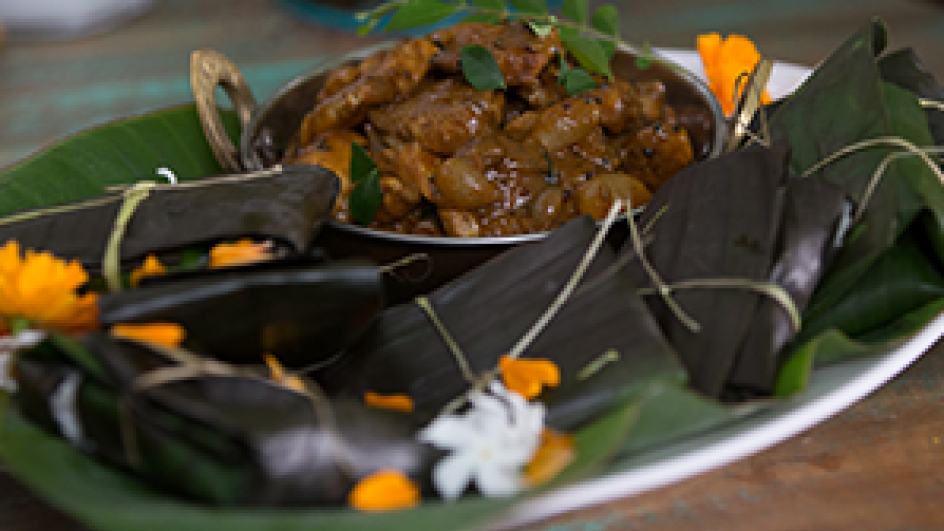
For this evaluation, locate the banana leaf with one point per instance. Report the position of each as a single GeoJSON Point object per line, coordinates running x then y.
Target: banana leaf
{"type": "Point", "coordinates": [904, 68]}
{"type": "Point", "coordinates": [114, 154]}
{"type": "Point", "coordinates": [860, 94]}
{"type": "Point", "coordinates": [218, 439]}
{"type": "Point", "coordinates": [301, 313]}
{"type": "Point", "coordinates": [487, 310]}
{"type": "Point", "coordinates": [213, 440]}
{"type": "Point", "coordinates": [844, 102]}
{"type": "Point", "coordinates": [808, 237]}
{"type": "Point", "coordinates": [715, 220]}
{"type": "Point", "coordinates": [287, 208]}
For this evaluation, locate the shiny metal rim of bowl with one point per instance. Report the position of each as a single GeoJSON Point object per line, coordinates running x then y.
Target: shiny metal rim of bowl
{"type": "Point", "coordinates": [251, 160]}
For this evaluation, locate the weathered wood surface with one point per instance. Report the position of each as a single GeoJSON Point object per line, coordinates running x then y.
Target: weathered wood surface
{"type": "Point", "coordinates": [877, 466]}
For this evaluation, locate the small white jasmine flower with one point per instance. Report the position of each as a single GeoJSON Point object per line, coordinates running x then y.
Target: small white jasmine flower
{"type": "Point", "coordinates": [489, 443]}
{"type": "Point", "coordinates": [9, 344]}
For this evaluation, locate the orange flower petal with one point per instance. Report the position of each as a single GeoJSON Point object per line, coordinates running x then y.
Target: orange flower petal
{"type": "Point", "coordinates": [395, 402]}
{"type": "Point", "coordinates": [42, 289]}
{"type": "Point", "coordinates": [553, 456]}
{"type": "Point", "coordinates": [243, 252]}
{"type": "Point", "coordinates": [528, 377]}
{"type": "Point", "coordinates": [166, 334]}
{"type": "Point", "coordinates": [725, 60]}
{"type": "Point", "coordinates": [387, 490]}
{"type": "Point", "coordinates": [152, 267]}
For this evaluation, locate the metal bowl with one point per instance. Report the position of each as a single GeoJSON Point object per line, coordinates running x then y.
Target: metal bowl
{"type": "Point", "coordinates": [268, 128]}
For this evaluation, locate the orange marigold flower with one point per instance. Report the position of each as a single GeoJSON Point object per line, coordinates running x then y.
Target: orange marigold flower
{"type": "Point", "coordinates": [396, 402]}
{"type": "Point", "coordinates": [42, 289]}
{"type": "Point", "coordinates": [277, 373]}
{"type": "Point", "coordinates": [725, 60]}
{"type": "Point", "coordinates": [243, 252]}
{"type": "Point", "coordinates": [553, 456]}
{"type": "Point", "coordinates": [167, 334]}
{"type": "Point", "coordinates": [152, 267]}
{"type": "Point", "coordinates": [387, 490]}
{"type": "Point", "coordinates": [528, 377]}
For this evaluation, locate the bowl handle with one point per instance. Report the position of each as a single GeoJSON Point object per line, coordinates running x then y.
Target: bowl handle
{"type": "Point", "coordinates": [207, 70]}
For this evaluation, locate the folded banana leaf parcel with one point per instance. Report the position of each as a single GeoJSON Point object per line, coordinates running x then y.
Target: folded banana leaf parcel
{"type": "Point", "coordinates": [210, 431]}
{"type": "Point", "coordinates": [737, 247]}
{"type": "Point", "coordinates": [603, 339]}
{"type": "Point", "coordinates": [286, 205]}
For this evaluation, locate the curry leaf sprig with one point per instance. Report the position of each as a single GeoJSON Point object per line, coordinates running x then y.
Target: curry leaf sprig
{"type": "Point", "coordinates": [590, 38]}
{"type": "Point", "coordinates": [367, 195]}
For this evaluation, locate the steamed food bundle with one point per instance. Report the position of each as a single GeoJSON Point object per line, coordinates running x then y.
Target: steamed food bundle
{"type": "Point", "coordinates": [522, 155]}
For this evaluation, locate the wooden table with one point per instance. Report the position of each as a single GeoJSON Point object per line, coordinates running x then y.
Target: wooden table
{"type": "Point", "coordinates": [877, 466]}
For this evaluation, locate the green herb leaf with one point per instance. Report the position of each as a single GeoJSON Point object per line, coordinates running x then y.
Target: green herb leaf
{"type": "Point", "coordinates": [609, 48]}
{"type": "Point", "coordinates": [569, 33]}
{"type": "Point", "coordinates": [564, 68]}
{"type": "Point", "coordinates": [530, 7]}
{"type": "Point", "coordinates": [591, 55]}
{"type": "Point", "coordinates": [576, 10]}
{"type": "Point", "coordinates": [577, 80]}
{"type": "Point", "coordinates": [606, 20]}
{"type": "Point", "coordinates": [480, 68]}
{"type": "Point", "coordinates": [542, 29]}
{"type": "Point", "coordinates": [367, 195]}
{"type": "Point", "coordinates": [419, 13]}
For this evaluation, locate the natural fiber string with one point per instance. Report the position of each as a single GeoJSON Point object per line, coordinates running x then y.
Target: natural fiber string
{"type": "Point", "coordinates": [880, 172]}
{"type": "Point", "coordinates": [99, 201]}
{"type": "Point", "coordinates": [481, 382]}
{"type": "Point", "coordinates": [391, 269]}
{"type": "Point", "coordinates": [192, 366]}
{"type": "Point", "coordinates": [611, 270]}
{"type": "Point", "coordinates": [33, 214]}
{"type": "Point", "coordinates": [655, 218]}
{"type": "Point", "coordinates": [210, 181]}
{"type": "Point", "coordinates": [111, 261]}
{"type": "Point", "coordinates": [454, 348]}
{"type": "Point", "coordinates": [892, 141]}
{"type": "Point", "coordinates": [563, 296]}
{"type": "Point", "coordinates": [772, 290]}
{"type": "Point", "coordinates": [931, 104]}
{"type": "Point", "coordinates": [571, 284]}
{"type": "Point", "coordinates": [657, 281]}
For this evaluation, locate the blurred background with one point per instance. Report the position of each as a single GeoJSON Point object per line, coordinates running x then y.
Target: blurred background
{"type": "Point", "coordinates": [66, 65]}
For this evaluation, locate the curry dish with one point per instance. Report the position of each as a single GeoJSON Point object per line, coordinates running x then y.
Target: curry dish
{"type": "Point", "coordinates": [458, 161]}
